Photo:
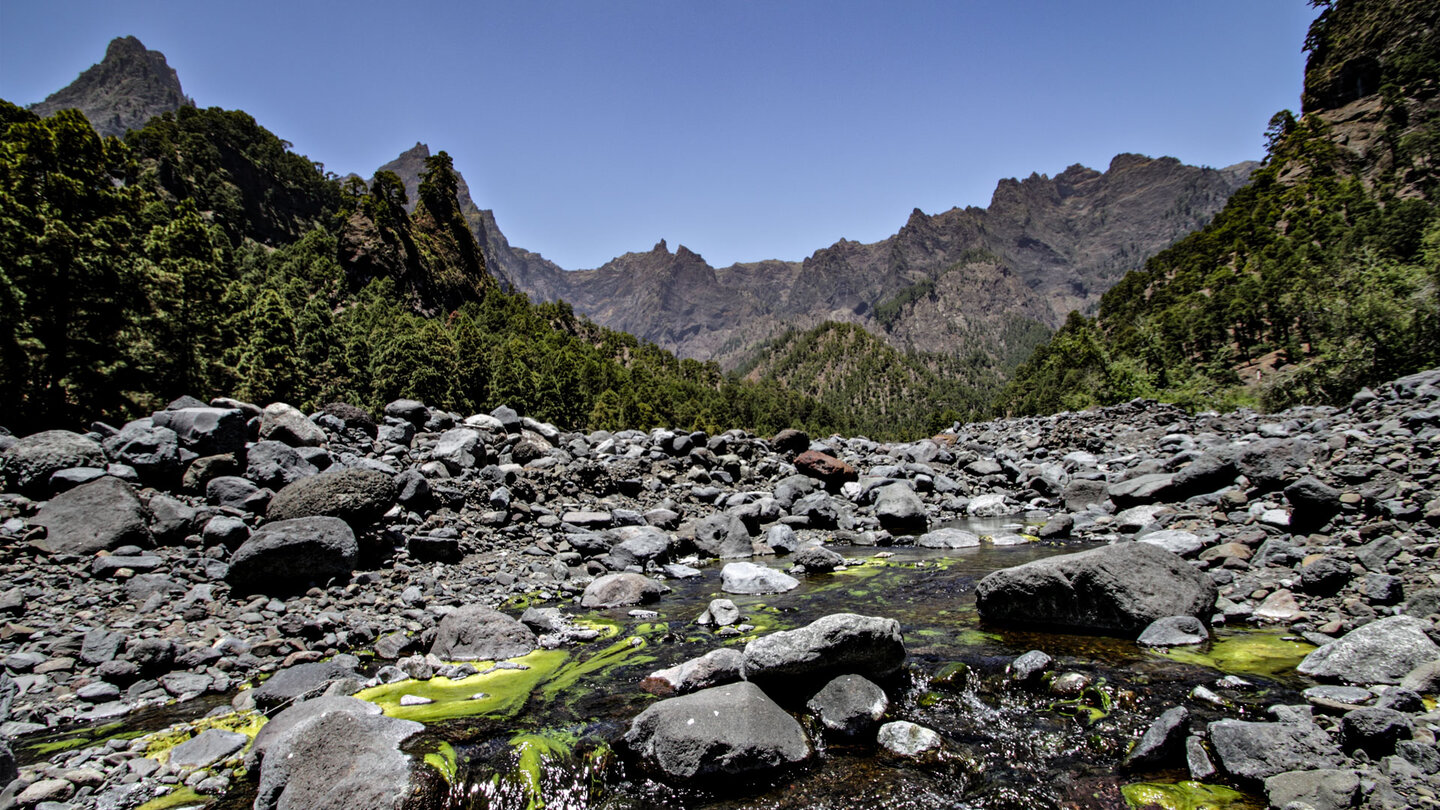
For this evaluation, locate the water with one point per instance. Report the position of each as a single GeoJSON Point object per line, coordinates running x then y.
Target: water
{"type": "Point", "coordinates": [545, 737]}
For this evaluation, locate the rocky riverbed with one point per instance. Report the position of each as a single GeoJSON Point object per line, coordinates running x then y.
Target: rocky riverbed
{"type": "Point", "coordinates": [189, 594]}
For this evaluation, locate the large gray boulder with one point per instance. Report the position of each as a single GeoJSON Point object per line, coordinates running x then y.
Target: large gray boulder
{"type": "Point", "coordinates": [849, 705]}
{"type": "Point", "coordinates": [1117, 589]}
{"type": "Point", "coordinates": [288, 554]}
{"type": "Point", "coordinates": [637, 545]}
{"type": "Point", "coordinates": [101, 515]}
{"type": "Point", "coordinates": [301, 712]}
{"type": "Point", "coordinates": [153, 451]}
{"type": "Point", "coordinates": [1260, 750]}
{"type": "Point", "coordinates": [838, 644]}
{"type": "Point", "coordinates": [719, 666]}
{"type": "Point", "coordinates": [1383, 651]}
{"type": "Point", "coordinates": [618, 590]}
{"type": "Point", "coordinates": [31, 460]}
{"type": "Point", "coordinates": [750, 578]}
{"type": "Point", "coordinates": [900, 509]}
{"type": "Point", "coordinates": [725, 731]}
{"type": "Point", "coordinates": [339, 761]}
{"type": "Point", "coordinates": [285, 423]}
{"type": "Point", "coordinates": [275, 465]}
{"type": "Point", "coordinates": [948, 538]}
{"type": "Point", "coordinates": [723, 535]}
{"type": "Point", "coordinates": [205, 431]}
{"type": "Point", "coordinates": [459, 449]}
{"type": "Point", "coordinates": [478, 633]}
{"type": "Point", "coordinates": [357, 496]}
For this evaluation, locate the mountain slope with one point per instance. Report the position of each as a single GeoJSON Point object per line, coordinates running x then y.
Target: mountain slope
{"type": "Point", "coordinates": [1319, 277]}
{"type": "Point", "coordinates": [127, 88]}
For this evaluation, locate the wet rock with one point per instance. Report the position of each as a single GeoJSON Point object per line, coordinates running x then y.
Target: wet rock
{"type": "Point", "coordinates": [1383, 651]}
{"type": "Point", "coordinates": [720, 613]}
{"type": "Point", "coordinates": [207, 748]}
{"type": "Point", "coordinates": [479, 633]}
{"type": "Point", "coordinates": [338, 761]}
{"type": "Point", "coordinates": [1028, 668]}
{"type": "Point", "coordinates": [285, 423]}
{"type": "Point", "coordinates": [900, 509]}
{"type": "Point", "coordinates": [948, 538]}
{"type": "Point", "coordinates": [1162, 743]}
{"type": "Point", "coordinates": [905, 739]}
{"type": "Point", "coordinates": [725, 731]}
{"type": "Point", "coordinates": [357, 496]}
{"type": "Point", "coordinates": [849, 705]}
{"type": "Point", "coordinates": [1174, 631]}
{"type": "Point", "coordinates": [617, 590]}
{"type": "Point", "coordinates": [101, 515]}
{"type": "Point", "coordinates": [750, 578]}
{"type": "Point", "coordinates": [289, 554]}
{"type": "Point", "coordinates": [1120, 588]}
{"type": "Point", "coordinates": [1261, 750]}
{"type": "Point", "coordinates": [1321, 789]}
{"type": "Point", "coordinates": [841, 643]}
{"type": "Point", "coordinates": [714, 668]}
{"type": "Point", "coordinates": [28, 463]}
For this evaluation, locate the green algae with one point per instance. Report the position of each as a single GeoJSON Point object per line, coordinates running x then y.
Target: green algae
{"type": "Point", "coordinates": [505, 691]}
{"type": "Point", "coordinates": [1092, 706]}
{"type": "Point", "coordinates": [183, 797]}
{"type": "Point", "coordinates": [1262, 653]}
{"type": "Point", "coordinates": [444, 761]}
{"type": "Point", "coordinates": [607, 628]}
{"type": "Point", "coordinates": [600, 664]}
{"type": "Point", "coordinates": [1184, 796]}
{"type": "Point", "coordinates": [534, 750]}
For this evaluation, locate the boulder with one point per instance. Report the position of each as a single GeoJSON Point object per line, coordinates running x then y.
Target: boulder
{"type": "Point", "coordinates": [723, 535]}
{"type": "Point", "coordinates": [618, 590]}
{"type": "Point", "coordinates": [791, 441]}
{"type": "Point", "coordinates": [900, 509]}
{"type": "Point", "coordinates": [459, 449]}
{"type": "Point", "coordinates": [29, 462]}
{"type": "Point", "coordinates": [1118, 589]}
{"type": "Point", "coordinates": [1383, 651]}
{"type": "Point", "coordinates": [478, 633]}
{"type": "Point", "coordinates": [303, 681]}
{"type": "Point", "coordinates": [1174, 631]}
{"type": "Point", "coordinates": [1375, 730]}
{"type": "Point", "coordinates": [722, 732]}
{"type": "Point", "coordinates": [274, 465]}
{"type": "Point", "coordinates": [849, 705]}
{"type": "Point", "coordinates": [285, 423]}
{"type": "Point", "coordinates": [749, 578]}
{"type": "Point", "coordinates": [339, 761]}
{"type": "Point", "coordinates": [288, 554]}
{"type": "Point", "coordinates": [714, 668]}
{"type": "Point", "coordinates": [205, 431]}
{"type": "Point", "coordinates": [1319, 789]}
{"type": "Point", "coordinates": [948, 538]}
{"type": "Point", "coordinates": [1313, 503]}
{"type": "Point", "coordinates": [154, 452]}
{"type": "Point", "coordinates": [818, 559]}
{"type": "Point", "coordinates": [637, 545]}
{"type": "Point", "coordinates": [838, 644]}
{"type": "Point", "coordinates": [828, 470]}
{"type": "Point", "coordinates": [1260, 750]}
{"type": "Point", "coordinates": [299, 713]}
{"type": "Point", "coordinates": [989, 505]}
{"type": "Point", "coordinates": [357, 496]}
{"type": "Point", "coordinates": [102, 515]}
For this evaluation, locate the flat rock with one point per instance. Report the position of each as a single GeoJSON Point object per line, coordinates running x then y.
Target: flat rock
{"type": "Point", "coordinates": [838, 644]}
{"type": "Point", "coordinates": [624, 589]}
{"type": "Point", "coordinates": [1320, 789]}
{"type": "Point", "coordinates": [751, 578]}
{"type": "Point", "coordinates": [725, 731]}
{"type": "Point", "coordinates": [207, 748]}
{"type": "Point", "coordinates": [357, 496]}
{"type": "Point", "coordinates": [1174, 631]}
{"type": "Point", "coordinates": [948, 538]}
{"type": "Point", "coordinates": [302, 681]}
{"type": "Point", "coordinates": [1261, 750]}
{"type": "Point", "coordinates": [478, 633]}
{"type": "Point", "coordinates": [290, 554]}
{"type": "Point", "coordinates": [1120, 589]}
{"type": "Point", "coordinates": [1383, 651]}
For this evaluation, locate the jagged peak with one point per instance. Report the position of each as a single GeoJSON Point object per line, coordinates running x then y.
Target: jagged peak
{"type": "Point", "coordinates": [120, 47]}
{"type": "Point", "coordinates": [660, 247]}
{"type": "Point", "coordinates": [419, 150]}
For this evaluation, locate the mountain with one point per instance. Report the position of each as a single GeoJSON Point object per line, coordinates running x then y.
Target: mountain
{"type": "Point", "coordinates": [127, 88]}
{"type": "Point", "coordinates": [1319, 277]}
{"type": "Point", "coordinates": [1063, 240]}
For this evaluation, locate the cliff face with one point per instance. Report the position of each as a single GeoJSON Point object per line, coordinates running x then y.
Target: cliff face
{"type": "Point", "coordinates": [127, 88]}
{"type": "Point", "coordinates": [1061, 241]}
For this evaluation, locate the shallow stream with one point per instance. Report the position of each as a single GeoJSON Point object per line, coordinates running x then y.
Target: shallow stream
{"type": "Point", "coordinates": [544, 736]}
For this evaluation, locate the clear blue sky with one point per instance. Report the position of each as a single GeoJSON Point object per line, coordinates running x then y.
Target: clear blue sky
{"type": "Point", "coordinates": [744, 129]}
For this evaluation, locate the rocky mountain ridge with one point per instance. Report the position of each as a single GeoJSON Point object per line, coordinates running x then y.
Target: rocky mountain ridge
{"type": "Point", "coordinates": [128, 87]}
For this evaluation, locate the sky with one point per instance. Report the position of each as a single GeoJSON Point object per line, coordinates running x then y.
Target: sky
{"type": "Point", "coordinates": [744, 130]}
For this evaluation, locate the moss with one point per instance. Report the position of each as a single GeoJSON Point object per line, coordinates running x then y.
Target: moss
{"type": "Point", "coordinates": [506, 691]}
{"type": "Point", "coordinates": [183, 797]}
{"type": "Point", "coordinates": [1185, 796]}
{"type": "Point", "coordinates": [160, 743]}
{"type": "Point", "coordinates": [1262, 653]}
{"type": "Point", "coordinates": [444, 761]}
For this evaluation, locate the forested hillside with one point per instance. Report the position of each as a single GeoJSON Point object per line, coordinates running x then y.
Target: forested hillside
{"type": "Point", "coordinates": [1318, 278]}
{"type": "Point", "coordinates": [200, 256]}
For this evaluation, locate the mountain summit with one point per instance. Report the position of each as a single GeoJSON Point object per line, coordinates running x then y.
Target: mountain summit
{"type": "Point", "coordinates": [128, 87]}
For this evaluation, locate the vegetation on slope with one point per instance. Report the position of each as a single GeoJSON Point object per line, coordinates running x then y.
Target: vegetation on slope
{"type": "Point", "coordinates": [1319, 277]}
{"type": "Point", "coordinates": [200, 256]}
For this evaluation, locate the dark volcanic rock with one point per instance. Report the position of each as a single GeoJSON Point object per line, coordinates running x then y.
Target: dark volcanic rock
{"type": "Point", "coordinates": [478, 633]}
{"type": "Point", "coordinates": [357, 496]}
{"type": "Point", "coordinates": [841, 643]}
{"type": "Point", "coordinates": [30, 461]}
{"type": "Point", "coordinates": [302, 681]}
{"type": "Point", "coordinates": [103, 514]}
{"type": "Point", "coordinates": [725, 731]}
{"type": "Point", "coordinates": [1119, 589]}
{"type": "Point", "coordinates": [616, 590]}
{"type": "Point", "coordinates": [205, 431]}
{"type": "Point", "coordinates": [1260, 750]}
{"type": "Point", "coordinates": [849, 705]}
{"type": "Point", "coordinates": [339, 761]}
{"type": "Point", "coordinates": [287, 554]}
{"type": "Point", "coordinates": [124, 91]}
